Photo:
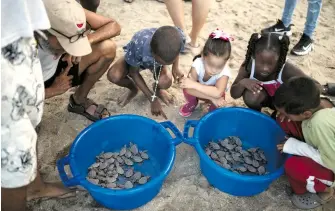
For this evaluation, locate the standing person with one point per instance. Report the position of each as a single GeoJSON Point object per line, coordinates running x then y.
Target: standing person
{"type": "Point", "coordinates": [283, 26]}
{"type": "Point", "coordinates": [200, 9]}
{"type": "Point", "coordinates": [22, 96]}
{"type": "Point", "coordinates": [91, 5]}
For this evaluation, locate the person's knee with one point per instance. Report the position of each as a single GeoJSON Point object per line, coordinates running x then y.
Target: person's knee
{"type": "Point", "coordinates": [107, 50]}
{"type": "Point", "coordinates": [291, 165]}
{"type": "Point", "coordinates": [165, 81]}
{"type": "Point", "coordinates": [114, 74]}
{"type": "Point", "coordinates": [253, 101]}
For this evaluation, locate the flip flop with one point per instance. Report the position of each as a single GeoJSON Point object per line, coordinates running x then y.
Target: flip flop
{"type": "Point", "coordinates": [80, 108]}
{"type": "Point", "coordinates": [306, 201]}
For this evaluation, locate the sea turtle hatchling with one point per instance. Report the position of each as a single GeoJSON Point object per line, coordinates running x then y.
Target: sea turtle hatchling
{"type": "Point", "coordinates": [214, 145]}
{"type": "Point", "coordinates": [251, 168]}
{"type": "Point", "coordinates": [136, 176]}
{"type": "Point", "coordinates": [95, 165]}
{"type": "Point", "coordinates": [119, 170]}
{"type": "Point", "coordinates": [93, 181]}
{"type": "Point", "coordinates": [103, 165]}
{"type": "Point", "coordinates": [129, 172]}
{"type": "Point", "coordinates": [261, 170]}
{"type": "Point", "coordinates": [137, 159]}
{"type": "Point", "coordinates": [224, 142]}
{"type": "Point", "coordinates": [214, 156]}
{"type": "Point", "coordinates": [248, 160]}
{"type": "Point", "coordinates": [208, 151]}
{"type": "Point", "coordinates": [120, 160]}
{"type": "Point", "coordinates": [111, 185]}
{"type": "Point", "coordinates": [128, 185]}
{"type": "Point", "coordinates": [133, 149]}
{"type": "Point", "coordinates": [144, 155]}
{"type": "Point", "coordinates": [92, 173]}
{"type": "Point", "coordinates": [143, 180]}
{"type": "Point", "coordinates": [255, 163]}
{"type": "Point", "coordinates": [107, 155]}
{"type": "Point", "coordinates": [123, 150]}
{"type": "Point", "coordinates": [128, 154]}
{"type": "Point", "coordinates": [221, 153]}
{"type": "Point", "coordinates": [128, 162]}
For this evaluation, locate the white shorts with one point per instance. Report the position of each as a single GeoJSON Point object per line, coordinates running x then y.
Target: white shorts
{"type": "Point", "coordinates": [22, 95]}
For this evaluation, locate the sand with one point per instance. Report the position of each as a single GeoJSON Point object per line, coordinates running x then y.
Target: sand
{"type": "Point", "coordinates": [185, 189]}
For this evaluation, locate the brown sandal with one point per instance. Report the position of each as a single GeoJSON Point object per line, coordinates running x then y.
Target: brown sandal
{"type": "Point", "coordinates": [80, 108]}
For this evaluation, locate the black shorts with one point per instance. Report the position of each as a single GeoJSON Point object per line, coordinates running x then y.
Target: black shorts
{"type": "Point", "coordinates": [74, 71]}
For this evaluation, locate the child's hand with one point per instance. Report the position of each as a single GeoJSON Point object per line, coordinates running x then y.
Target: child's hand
{"type": "Point", "coordinates": [252, 85]}
{"type": "Point", "coordinates": [282, 117]}
{"type": "Point", "coordinates": [186, 83]}
{"type": "Point", "coordinates": [280, 147]}
{"type": "Point", "coordinates": [219, 102]}
{"type": "Point", "coordinates": [156, 109]}
{"type": "Point", "coordinates": [177, 75]}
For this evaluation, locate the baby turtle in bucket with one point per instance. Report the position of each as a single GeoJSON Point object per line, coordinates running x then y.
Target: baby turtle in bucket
{"type": "Point", "coordinates": [231, 155]}
{"type": "Point", "coordinates": [114, 170]}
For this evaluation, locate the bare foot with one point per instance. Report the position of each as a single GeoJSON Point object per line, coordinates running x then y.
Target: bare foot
{"type": "Point", "coordinates": [50, 190]}
{"type": "Point", "coordinates": [127, 97]}
{"type": "Point", "coordinates": [165, 97]}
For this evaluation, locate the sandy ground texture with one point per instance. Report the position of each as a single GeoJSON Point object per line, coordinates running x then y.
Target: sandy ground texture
{"type": "Point", "coordinates": [185, 189]}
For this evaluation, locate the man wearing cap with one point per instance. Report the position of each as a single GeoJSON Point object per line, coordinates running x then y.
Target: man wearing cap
{"type": "Point", "coordinates": [75, 56]}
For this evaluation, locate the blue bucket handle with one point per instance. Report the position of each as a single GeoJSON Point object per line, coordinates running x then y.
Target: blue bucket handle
{"type": "Point", "coordinates": [179, 137]}
{"type": "Point", "coordinates": [188, 125]}
{"type": "Point", "coordinates": [61, 163]}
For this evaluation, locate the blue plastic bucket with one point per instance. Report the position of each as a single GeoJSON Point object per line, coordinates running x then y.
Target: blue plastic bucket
{"type": "Point", "coordinates": [112, 134]}
{"type": "Point", "coordinates": [255, 130]}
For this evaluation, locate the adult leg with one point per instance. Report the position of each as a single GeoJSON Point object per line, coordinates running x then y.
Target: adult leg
{"type": "Point", "coordinates": [118, 74]}
{"type": "Point", "coordinates": [164, 82]}
{"type": "Point", "coordinates": [288, 12]}
{"type": "Point", "coordinates": [94, 66]}
{"type": "Point", "coordinates": [13, 199]}
{"type": "Point", "coordinates": [176, 11]}
{"type": "Point", "coordinates": [313, 12]}
{"type": "Point", "coordinates": [200, 9]}
{"type": "Point", "coordinates": [256, 101]}
{"type": "Point", "coordinates": [91, 5]}
{"type": "Point", "coordinates": [39, 189]}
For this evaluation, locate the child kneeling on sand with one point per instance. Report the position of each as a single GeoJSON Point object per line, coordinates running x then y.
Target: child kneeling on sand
{"type": "Point", "coordinates": [208, 77]}
{"type": "Point", "coordinates": [311, 170]}
{"type": "Point", "coordinates": [151, 49]}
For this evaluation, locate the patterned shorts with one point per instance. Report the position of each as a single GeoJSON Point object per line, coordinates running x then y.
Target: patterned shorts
{"type": "Point", "coordinates": [22, 95]}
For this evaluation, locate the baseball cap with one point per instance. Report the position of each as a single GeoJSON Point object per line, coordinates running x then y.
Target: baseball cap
{"type": "Point", "coordinates": [67, 19]}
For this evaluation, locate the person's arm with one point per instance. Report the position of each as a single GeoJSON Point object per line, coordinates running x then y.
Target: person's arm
{"type": "Point", "coordinates": [290, 70]}
{"type": "Point", "coordinates": [237, 89]}
{"type": "Point", "coordinates": [104, 28]}
{"type": "Point", "coordinates": [210, 91]}
{"type": "Point", "coordinates": [139, 81]}
{"type": "Point", "coordinates": [177, 75]}
{"type": "Point", "coordinates": [193, 76]}
{"type": "Point", "coordinates": [295, 147]}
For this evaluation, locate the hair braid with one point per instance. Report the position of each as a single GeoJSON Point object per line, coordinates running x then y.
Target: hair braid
{"type": "Point", "coordinates": [284, 47]}
{"type": "Point", "coordinates": [251, 49]}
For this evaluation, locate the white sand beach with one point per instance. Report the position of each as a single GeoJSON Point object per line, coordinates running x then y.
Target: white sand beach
{"type": "Point", "coordinates": [185, 189]}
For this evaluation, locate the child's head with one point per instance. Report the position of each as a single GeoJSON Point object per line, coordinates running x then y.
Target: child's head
{"type": "Point", "coordinates": [269, 51]}
{"type": "Point", "coordinates": [297, 99]}
{"type": "Point", "coordinates": [166, 44]}
{"type": "Point", "coordinates": [216, 52]}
